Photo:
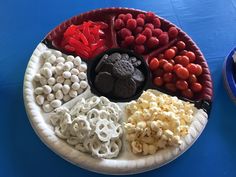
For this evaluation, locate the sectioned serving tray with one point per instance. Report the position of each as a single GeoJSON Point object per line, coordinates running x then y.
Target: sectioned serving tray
{"type": "Point", "coordinates": [126, 162]}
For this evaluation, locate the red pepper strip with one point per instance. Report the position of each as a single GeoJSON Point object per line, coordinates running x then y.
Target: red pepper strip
{"type": "Point", "coordinates": [101, 33]}
{"type": "Point", "coordinates": [69, 48]}
{"type": "Point", "coordinates": [84, 39]}
{"type": "Point", "coordinates": [82, 53]}
{"type": "Point", "coordinates": [70, 30]}
{"type": "Point", "coordinates": [78, 45]}
{"type": "Point", "coordinates": [99, 44]}
{"type": "Point", "coordinates": [81, 27]}
{"type": "Point", "coordinates": [86, 30]}
{"type": "Point", "coordinates": [91, 39]}
{"type": "Point", "coordinates": [102, 25]}
{"type": "Point", "coordinates": [95, 30]}
{"type": "Point", "coordinates": [87, 33]}
{"type": "Point", "coordinates": [76, 36]}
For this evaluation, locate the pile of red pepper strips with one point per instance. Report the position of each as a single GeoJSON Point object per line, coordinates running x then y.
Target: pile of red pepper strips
{"type": "Point", "coordinates": [86, 40]}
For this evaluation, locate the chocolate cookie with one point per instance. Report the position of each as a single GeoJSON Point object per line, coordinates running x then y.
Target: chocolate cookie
{"type": "Point", "coordinates": [101, 63]}
{"type": "Point", "coordinates": [107, 67]}
{"type": "Point", "coordinates": [124, 88]}
{"type": "Point", "coordinates": [114, 57]}
{"type": "Point", "coordinates": [104, 82]}
{"type": "Point", "coordinates": [122, 69]}
{"type": "Point", "coordinates": [138, 77]}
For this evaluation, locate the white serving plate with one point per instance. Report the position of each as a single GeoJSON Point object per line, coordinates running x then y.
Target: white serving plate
{"type": "Point", "coordinates": [127, 162]}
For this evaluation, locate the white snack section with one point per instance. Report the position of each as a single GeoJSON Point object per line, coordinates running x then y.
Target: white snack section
{"type": "Point", "coordinates": [59, 79]}
{"type": "Point", "coordinates": [92, 125]}
{"type": "Point", "coordinates": [127, 162]}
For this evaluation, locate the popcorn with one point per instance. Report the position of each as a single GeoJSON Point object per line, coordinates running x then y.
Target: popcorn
{"type": "Point", "coordinates": [156, 121]}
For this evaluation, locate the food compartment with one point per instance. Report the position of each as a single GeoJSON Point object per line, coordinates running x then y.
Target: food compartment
{"type": "Point", "coordinates": [181, 70]}
{"type": "Point", "coordinates": [58, 79]}
{"type": "Point", "coordinates": [119, 74]}
{"type": "Point", "coordinates": [143, 32]}
{"type": "Point", "coordinates": [86, 35]}
{"type": "Point", "coordinates": [205, 77]}
{"type": "Point", "coordinates": [156, 121]}
{"type": "Point", "coordinates": [91, 125]}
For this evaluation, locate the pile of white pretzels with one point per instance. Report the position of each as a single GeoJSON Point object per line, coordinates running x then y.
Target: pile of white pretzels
{"type": "Point", "coordinates": [91, 126]}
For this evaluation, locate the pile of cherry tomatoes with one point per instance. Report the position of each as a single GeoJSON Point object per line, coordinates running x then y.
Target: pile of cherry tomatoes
{"type": "Point", "coordinates": [176, 70]}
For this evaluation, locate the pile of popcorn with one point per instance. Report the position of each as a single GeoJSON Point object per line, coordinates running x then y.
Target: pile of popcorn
{"type": "Point", "coordinates": [156, 121]}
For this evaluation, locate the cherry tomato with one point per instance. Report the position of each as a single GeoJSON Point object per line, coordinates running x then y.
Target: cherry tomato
{"type": "Point", "coordinates": [167, 77]}
{"type": "Point", "coordinates": [154, 64]}
{"type": "Point", "coordinates": [192, 79]}
{"type": "Point", "coordinates": [158, 73]}
{"type": "Point", "coordinates": [158, 81]}
{"type": "Point", "coordinates": [178, 58]}
{"type": "Point", "coordinates": [169, 53]}
{"type": "Point", "coordinates": [196, 87]}
{"type": "Point", "coordinates": [182, 73]}
{"type": "Point", "coordinates": [162, 62]}
{"type": "Point", "coordinates": [191, 68]}
{"type": "Point", "coordinates": [191, 56]}
{"type": "Point", "coordinates": [180, 45]}
{"type": "Point", "coordinates": [175, 49]}
{"type": "Point", "coordinates": [181, 85]}
{"type": "Point", "coordinates": [199, 70]}
{"type": "Point", "coordinates": [171, 87]}
{"type": "Point", "coordinates": [187, 93]}
{"type": "Point", "coordinates": [173, 32]}
{"type": "Point", "coordinates": [168, 67]}
{"type": "Point", "coordinates": [183, 52]}
{"type": "Point", "coordinates": [184, 60]}
{"type": "Point", "coordinates": [176, 66]}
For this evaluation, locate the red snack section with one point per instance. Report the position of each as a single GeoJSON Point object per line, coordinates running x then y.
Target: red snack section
{"type": "Point", "coordinates": [182, 70]}
{"type": "Point", "coordinates": [142, 32]}
{"type": "Point", "coordinates": [85, 35]}
{"type": "Point", "coordinates": [86, 40]}
{"type": "Point", "coordinates": [177, 70]}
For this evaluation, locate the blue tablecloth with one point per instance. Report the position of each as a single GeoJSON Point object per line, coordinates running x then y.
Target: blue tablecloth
{"type": "Point", "coordinates": [210, 23]}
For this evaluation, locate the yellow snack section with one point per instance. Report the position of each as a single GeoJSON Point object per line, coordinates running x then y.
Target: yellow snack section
{"type": "Point", "coordinates": [156, 121]}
